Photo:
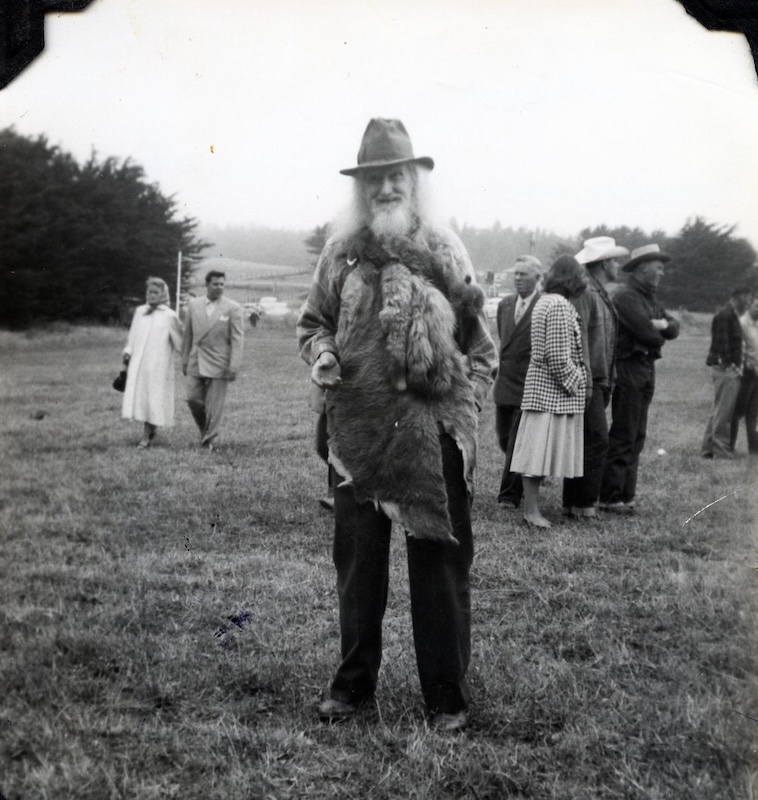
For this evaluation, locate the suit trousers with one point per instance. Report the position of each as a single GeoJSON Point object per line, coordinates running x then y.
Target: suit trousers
{"type": "Point", "coordinates": [438, 575]}
{"type": "Point", "coordinates": [635, 386]}
{"type": "Point", "coordinates": [717, 440]}
{"type": "Point", "coordinates": [506, 424]}
{"type": "Point", "coordinates": [747, 407]}
{"type": "Point", "coordinates": [584, 492]}
{"type": "Point", "coordinates": [206, 398]}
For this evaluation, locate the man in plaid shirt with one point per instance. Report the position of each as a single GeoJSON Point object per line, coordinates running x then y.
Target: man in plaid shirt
{"type": "Point", "coordinates": [726, 360]}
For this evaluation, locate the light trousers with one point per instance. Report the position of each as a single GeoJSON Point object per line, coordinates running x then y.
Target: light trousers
{"type": "Point", "coordinates": [206, 398]}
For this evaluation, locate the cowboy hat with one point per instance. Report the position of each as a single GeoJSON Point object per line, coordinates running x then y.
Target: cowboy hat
{"type": "Point", "coordinates": [386, 144]}
{"type": "Point", "coordinates": [648, 252]}
{"type": "Point", "coordinates": [600, 248]}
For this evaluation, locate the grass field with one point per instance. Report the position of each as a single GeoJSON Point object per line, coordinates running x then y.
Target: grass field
{"type": "Point", "coordinates": [168, 618]}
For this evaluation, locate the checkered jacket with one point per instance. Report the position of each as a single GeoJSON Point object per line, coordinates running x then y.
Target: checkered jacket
{"type": "Point", "coordinates": [556, 379]}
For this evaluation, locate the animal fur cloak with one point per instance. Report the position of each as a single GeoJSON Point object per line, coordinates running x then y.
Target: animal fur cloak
{"type": "Point", "coordinates": [405, 314]}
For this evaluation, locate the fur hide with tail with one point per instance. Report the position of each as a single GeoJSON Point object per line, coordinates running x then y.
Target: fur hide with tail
{"type": "Point", "coordinates": [403, 321]}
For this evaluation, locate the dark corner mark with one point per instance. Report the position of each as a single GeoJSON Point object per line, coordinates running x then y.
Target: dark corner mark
{"type": "Point", "coordinates": [22, 26]}
{"type": "Point", "coordinates": [735, 16]}
{"type": "Point", "coordinates": [22, 32]}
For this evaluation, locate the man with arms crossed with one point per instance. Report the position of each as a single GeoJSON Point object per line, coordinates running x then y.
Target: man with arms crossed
{"type": "Point", "coordinates": [644, 327]}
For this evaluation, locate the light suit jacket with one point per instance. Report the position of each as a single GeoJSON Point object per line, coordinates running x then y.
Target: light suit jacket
{"type": "Point", "coordinates": [212, 345]}
{"type": "Point", "coordinates": [515, 350]}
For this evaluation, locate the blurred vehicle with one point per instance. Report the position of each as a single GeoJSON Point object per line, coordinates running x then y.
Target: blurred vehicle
{"type": "Point", "coordinates": [491, 304]}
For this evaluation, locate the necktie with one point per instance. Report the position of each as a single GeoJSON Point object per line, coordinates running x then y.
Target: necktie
{"type": "Point", "coordinates": [520, 307]}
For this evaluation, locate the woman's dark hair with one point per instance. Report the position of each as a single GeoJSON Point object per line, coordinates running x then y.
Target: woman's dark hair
{"type": "Point", "coordinates": [566, 277]}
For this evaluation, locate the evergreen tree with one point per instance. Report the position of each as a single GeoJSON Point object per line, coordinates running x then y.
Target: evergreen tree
{"type": "Point", "coordinates": [707, 263]}
{"type": "Point", "coordinates": [77, 240]}
{"type": "Point", "coordinates": [316, 241]}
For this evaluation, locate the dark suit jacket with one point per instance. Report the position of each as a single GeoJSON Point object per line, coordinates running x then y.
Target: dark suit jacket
{"type": "Point", "coordinates": [515, 351]}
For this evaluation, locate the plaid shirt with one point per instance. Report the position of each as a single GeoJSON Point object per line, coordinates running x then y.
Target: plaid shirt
{"type": "Point", "coordinates": [319, 316]}
{"type": "Point", "coordinates": [726, 339]}
{"type": "Point", "coordinates": [556, 380]}
{"type": "Point", "coordinates": [750, 332]}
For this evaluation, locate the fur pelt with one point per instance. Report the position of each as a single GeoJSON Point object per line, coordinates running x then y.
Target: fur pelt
{"type": "Point", "coordinates": [404, 381]}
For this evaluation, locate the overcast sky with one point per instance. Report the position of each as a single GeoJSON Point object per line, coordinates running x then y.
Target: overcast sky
{"type": "Point", "coordinates": [558, 114]}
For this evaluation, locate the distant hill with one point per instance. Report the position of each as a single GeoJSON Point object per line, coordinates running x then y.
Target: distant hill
{"type": "Point", "coordinates": [243, 273]}
{"type": "Point", "coordinates": [257, 244]}
{"type": "Point", "coordinates": [248, 281]}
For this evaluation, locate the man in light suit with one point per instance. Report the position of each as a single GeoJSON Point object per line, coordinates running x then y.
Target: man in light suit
{"type": "Point", "coordinates": [514, 323]}
{"type": "Point", "coordinates": [211, 354]}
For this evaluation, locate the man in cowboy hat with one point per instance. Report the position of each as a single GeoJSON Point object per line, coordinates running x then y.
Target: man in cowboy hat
{"type": "Point", "coordinates": [599, 321]}
{"type": "Point", "coordinates": [514, 328]}
{"type": "Point", "coordinates": [726, 358]}
{"type": "Point", "coordinates": [644, 327]}
{"type": "Point", "coordinates": [393, 329]}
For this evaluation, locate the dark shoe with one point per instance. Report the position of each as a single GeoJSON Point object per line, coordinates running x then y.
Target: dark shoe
{"type": "Point", "coordinates": [624, 509]}
{"type": "Point", "coordinates": [450, 723]}
{"type": "Point", "coordinates": [507, 504]}
{"type": "Point", "coordinates": [332, 710]}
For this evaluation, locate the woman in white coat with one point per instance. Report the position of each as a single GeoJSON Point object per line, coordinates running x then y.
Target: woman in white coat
{"type": "Point", "coordinates": [154, 335]}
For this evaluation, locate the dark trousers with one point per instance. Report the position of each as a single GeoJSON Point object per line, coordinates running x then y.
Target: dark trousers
{"type": "Point", "coordinates": [322, 448]}
{"type": "Point", "coordinates": [506, 424]}
{"type": "Point", "coordinates": [635, 386]}
{"type": "Point", "coordinates": [439, 588]}
{"type": "Point", "coordinates": [747, 407]}
{"type": "Point", "coordinates": [584, 492]}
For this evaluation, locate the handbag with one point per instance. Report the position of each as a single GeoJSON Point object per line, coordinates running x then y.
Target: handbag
{"type": "Point", "coordinates": [119, 384]}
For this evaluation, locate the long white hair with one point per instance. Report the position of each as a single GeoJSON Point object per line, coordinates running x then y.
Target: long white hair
{"type": "Point", "coordinates": [357, 214]}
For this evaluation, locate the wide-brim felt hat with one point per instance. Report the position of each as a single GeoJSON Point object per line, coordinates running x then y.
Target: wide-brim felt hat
{"type": "Point", "coordinates": [386, 143]}
{"type": "Point", "coordinates": [648, 252]}
{"type": "Point", "coordinates": [600, 248]}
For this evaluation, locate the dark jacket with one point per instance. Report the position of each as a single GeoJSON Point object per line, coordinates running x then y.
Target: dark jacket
{"type": "Point", "coordinates": [726, 339]}
{"type": "Point", "coordinates": [636, 306]}
{"type": "Point", "coordinates": [515, 351]}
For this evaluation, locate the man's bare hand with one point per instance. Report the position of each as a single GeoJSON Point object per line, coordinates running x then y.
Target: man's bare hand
{"type": "Point", "coordinates": [660, 324]}
{"type": "Point", "coordinates": [326, 371]}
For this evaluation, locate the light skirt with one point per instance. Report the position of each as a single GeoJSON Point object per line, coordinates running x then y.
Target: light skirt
{"type": "Point", "coordinates": [549, 444]}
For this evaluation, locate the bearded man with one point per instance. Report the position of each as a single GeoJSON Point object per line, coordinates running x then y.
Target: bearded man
{"type": "Point", "coordinates": [394, 331]}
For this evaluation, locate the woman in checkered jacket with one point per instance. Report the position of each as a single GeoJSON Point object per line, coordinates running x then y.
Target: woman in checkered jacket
{"type": "Point", "coordinates": [550, 435]}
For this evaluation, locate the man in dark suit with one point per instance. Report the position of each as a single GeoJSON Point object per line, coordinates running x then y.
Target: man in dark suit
{"type": "Point", "coordinates": [514, 322]}
{"type": "Point", "coordinates": [211, 354]}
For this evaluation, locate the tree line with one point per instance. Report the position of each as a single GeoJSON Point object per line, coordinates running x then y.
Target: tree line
{"type": "Point", "coordinates": [78, 240]}
{"type": "Point", "coordinates": [708, 260]}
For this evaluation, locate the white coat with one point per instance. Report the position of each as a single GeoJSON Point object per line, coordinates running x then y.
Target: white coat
{"type": "Point", "coordinates": [149, 393]}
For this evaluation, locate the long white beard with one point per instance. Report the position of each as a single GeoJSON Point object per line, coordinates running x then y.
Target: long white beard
{"type": "Point", "coordinates": [394, 220]}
